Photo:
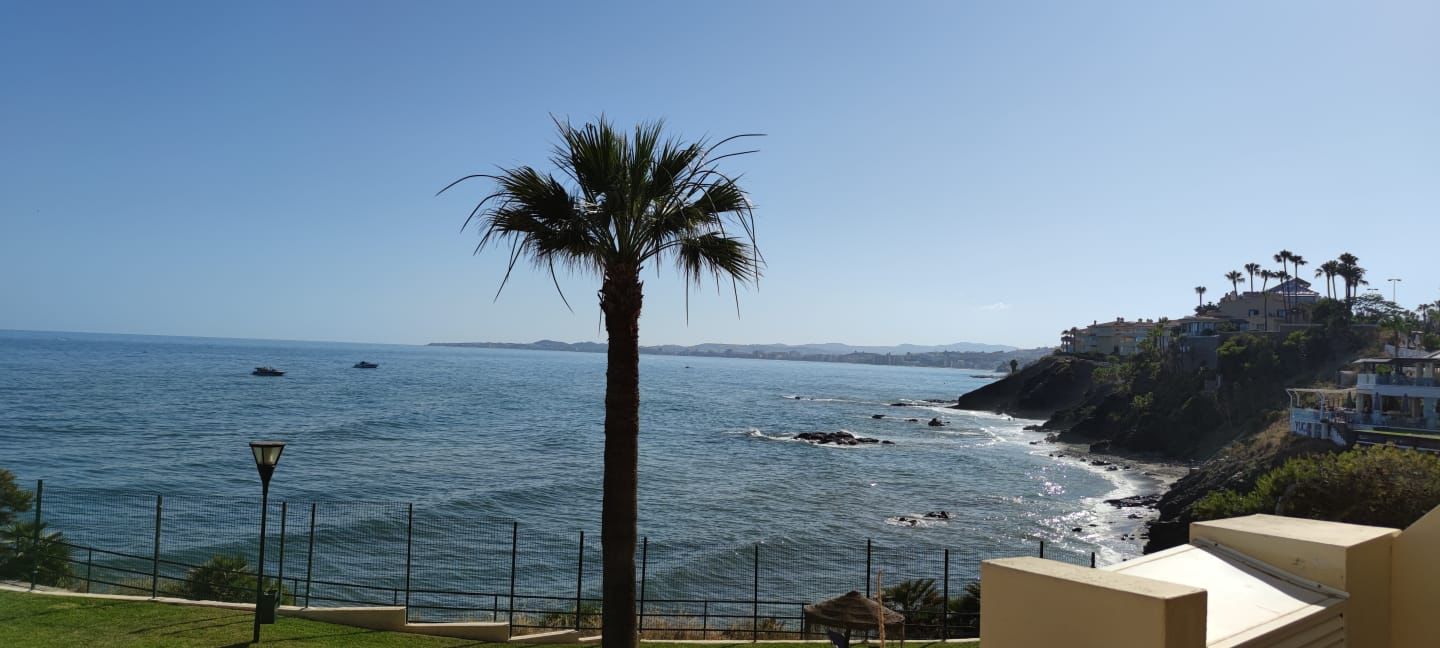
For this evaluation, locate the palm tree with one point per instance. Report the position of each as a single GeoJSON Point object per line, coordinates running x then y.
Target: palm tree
{"type": "Point", "coordinates": [1354, 278]}
{"type": "Point", "coordinates": [1265, 277]}
{"type": "Point", "coordinates": [1295, 287]}
{"type": "Point", "coordinates": [917, 599]}
{"type": "Point", "coordinates": [1234, 276]}
{"type": "Point", "coordinates": [1330, 269]}
{"type": "Point", "coordinates": [627, 200]}
{"type": "Point", "coordinates": [1426, 312]}
{"type": "Point", "coordinates": [1283, 258]}
{"type": "Point", "coordinates": [1200, 292]}
{"type": "Point", "coordinates": [1252, 268]}
{"type": "Point", "coordinates": [1348, 264]}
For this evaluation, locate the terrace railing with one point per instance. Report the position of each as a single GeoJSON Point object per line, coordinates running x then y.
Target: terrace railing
{"type": "Point", "coordinates": [448, 568]}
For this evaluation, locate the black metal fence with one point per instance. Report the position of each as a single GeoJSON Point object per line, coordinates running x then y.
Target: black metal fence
{"type": "Point", "coordinates": [445, 566]}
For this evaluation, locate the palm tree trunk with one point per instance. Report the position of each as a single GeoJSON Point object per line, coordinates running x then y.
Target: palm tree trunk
{"type": "Point", "coordinates": [620, 299]}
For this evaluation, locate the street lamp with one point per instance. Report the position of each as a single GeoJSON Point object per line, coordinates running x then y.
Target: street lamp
{"type": "Point", "coordinates": [1392, 288]}
{"type": "Point", "coordinates": [267, 455]}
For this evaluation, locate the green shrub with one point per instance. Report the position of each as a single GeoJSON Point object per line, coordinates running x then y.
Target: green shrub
{"type": "Point", "coordinates": [221, 578]}
{"type": "Point", "coordinates": [1380, 486]}
{"type": "Point", "coordinates": [13, 499]}
{"type": "Point", "coordinates": [22, 557]}
{"type": "Point", "coordinates": [590, 614]}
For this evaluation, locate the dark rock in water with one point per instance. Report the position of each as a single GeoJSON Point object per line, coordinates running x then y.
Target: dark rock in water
{"type": "Point", "coordinates": [1148, 501]}
{"type": "Point", "coordinates": [1103, 446]}
{"type": "Point", "coordinates": [938, 515]}
{"type": "Point", "coordinates": [1031, 428]}
{"type": "Point", "coordinates": [899, 404]}
{"type": "Point", "coordinates": [936, 400]}
{"type": "Point", "coordinates": [912, 420]}
{"type": "Point", "coordinates": [1113, 468]}
{"type": "Point", "coordinates": [936, 422]}
{"type": "Point", "coordinates": [1077, 530]}
{"type": "Point", "coordinates": [887, 442]}
{"type": "Point", "coordinates": [795, 397]}
{"type": "Point", "coordinates": [1034, 443]}
{"type": "Point", "coordinates": [877, 416]}
{"type": "Point", "coordinates": [835, 438]}
{"type": "Point", "coordinates": [1050, 438]}
{"type": "Point", "coordinates": [1099, 462]}
{"type": "Point", "coordinates": [1134, 516]}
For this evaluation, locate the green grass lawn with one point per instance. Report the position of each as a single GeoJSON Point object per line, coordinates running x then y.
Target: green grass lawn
{"type": "Point", "coordinates": [34, 620]}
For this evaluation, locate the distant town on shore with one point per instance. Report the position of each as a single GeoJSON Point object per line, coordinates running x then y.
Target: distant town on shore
{"type": "Point", "coordinates": [960, 355]}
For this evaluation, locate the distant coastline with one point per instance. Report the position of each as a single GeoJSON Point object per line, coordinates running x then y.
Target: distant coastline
{"type": "Point", "coordinates": [961, 355]}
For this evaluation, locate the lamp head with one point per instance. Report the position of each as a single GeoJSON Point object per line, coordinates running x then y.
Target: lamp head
{"type": "Point", "coordinates": [267, 455]}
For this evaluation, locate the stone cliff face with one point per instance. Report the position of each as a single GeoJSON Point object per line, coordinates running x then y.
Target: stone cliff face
{"type": "Point", "coordinates": [1037, 391]}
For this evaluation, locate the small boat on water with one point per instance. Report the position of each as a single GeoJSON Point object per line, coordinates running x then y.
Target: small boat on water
{"type": "Point", "coordinates": [367, 365]}
{"type": "Point", "coordinates": [267, 371]}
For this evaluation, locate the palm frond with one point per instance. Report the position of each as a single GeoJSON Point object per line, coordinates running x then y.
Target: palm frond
{"type": "Point", "coordinates": [623, 198]}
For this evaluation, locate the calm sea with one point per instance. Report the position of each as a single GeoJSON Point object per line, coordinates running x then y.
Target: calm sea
{"type": "Point", "coordinates": [483, 433]}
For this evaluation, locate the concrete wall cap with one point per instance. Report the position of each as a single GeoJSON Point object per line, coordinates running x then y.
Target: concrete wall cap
{"type": "Point", "coordinates": [1136, 585]}
{"type": "Point", "coordinates": [1337, 534]}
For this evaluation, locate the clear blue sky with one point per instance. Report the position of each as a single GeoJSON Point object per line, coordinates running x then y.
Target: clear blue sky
{"type": "Point", "coordinates": [934, 171]}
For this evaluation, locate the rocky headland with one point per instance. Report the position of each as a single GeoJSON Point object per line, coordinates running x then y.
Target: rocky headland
{"type": "Point", "coordinates": [1216, 432]}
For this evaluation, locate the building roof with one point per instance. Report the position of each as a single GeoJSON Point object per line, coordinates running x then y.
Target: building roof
{"type": "Point", "coordinates": [1433, 357]}
{"type": "Point", "coordinates": [1124, 322]}
{"type": "Point", "coordinates": [1294, 286]}
{"type": "Point", "coordinates": [1247, 599]}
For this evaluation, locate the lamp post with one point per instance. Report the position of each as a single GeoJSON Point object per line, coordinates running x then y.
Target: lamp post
{"type": "Point", "coordinates": [1392, 288]}
{"type": "Point", "coordinates": [267, 455]}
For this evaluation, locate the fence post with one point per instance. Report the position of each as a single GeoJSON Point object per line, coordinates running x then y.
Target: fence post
{"type": "Point", "coordinates": [1092, 560]}
{"type": "Point", "coordinates": [579, 579]}
{"type": "Point", "coordinates": [755, 611]}
{"type": "Point", "coordinates": [280, 573]}
{"type": "Point", "coordinates": [409, 552]}
{"type": "Point", "coordinates": [945, 609]}
{"type": "Point", "coordinates": [35, 537]}
{"type": "Point", "coordinates": [644, 565]}
{"type": "Point", "coordinates": [155, 560]}
{"type": "Point", "coordinates": [89, 564]}
{"type": "Point", "coordinates": [514, 546]}
{"type": "Point", "coordinates": [867, 568]}
{"type": "Point", "coordinates": [310, 554]}
{"type": "Point", "coordinates": [1042, 548]}
{"type": "Point", "coordinates": [705, 619]}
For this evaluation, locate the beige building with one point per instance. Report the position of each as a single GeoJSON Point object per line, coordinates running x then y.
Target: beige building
{"type": "Point", "coordinates": [1121, 337]}
{"type": "Point", "coordinates": [1268, 310]}
{"type": "Point", "coordinates": [1261, 581]}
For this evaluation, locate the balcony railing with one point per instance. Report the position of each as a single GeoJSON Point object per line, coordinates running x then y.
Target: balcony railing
{"type": "Point", "coordinates": [1369, 380]}
{"type": "Point", "coordinates": [1311, 415]}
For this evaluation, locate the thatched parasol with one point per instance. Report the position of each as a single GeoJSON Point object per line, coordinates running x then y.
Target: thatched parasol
{"type": "Point", "coordinates": [853, 611]}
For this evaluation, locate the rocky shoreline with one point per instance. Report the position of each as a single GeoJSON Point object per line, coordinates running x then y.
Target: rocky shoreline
{"type": "Point", "coordinates": [1080, 414]}
{"type": "Point", "coordinates": [1126, 517]}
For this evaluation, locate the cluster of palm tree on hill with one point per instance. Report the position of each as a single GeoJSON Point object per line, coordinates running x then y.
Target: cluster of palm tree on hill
{"type": "Point", "coordinates": [1346, 268]}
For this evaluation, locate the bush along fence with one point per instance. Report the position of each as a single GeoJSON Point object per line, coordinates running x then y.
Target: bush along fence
{"type": "Point", "coordinates": [449, 566]}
